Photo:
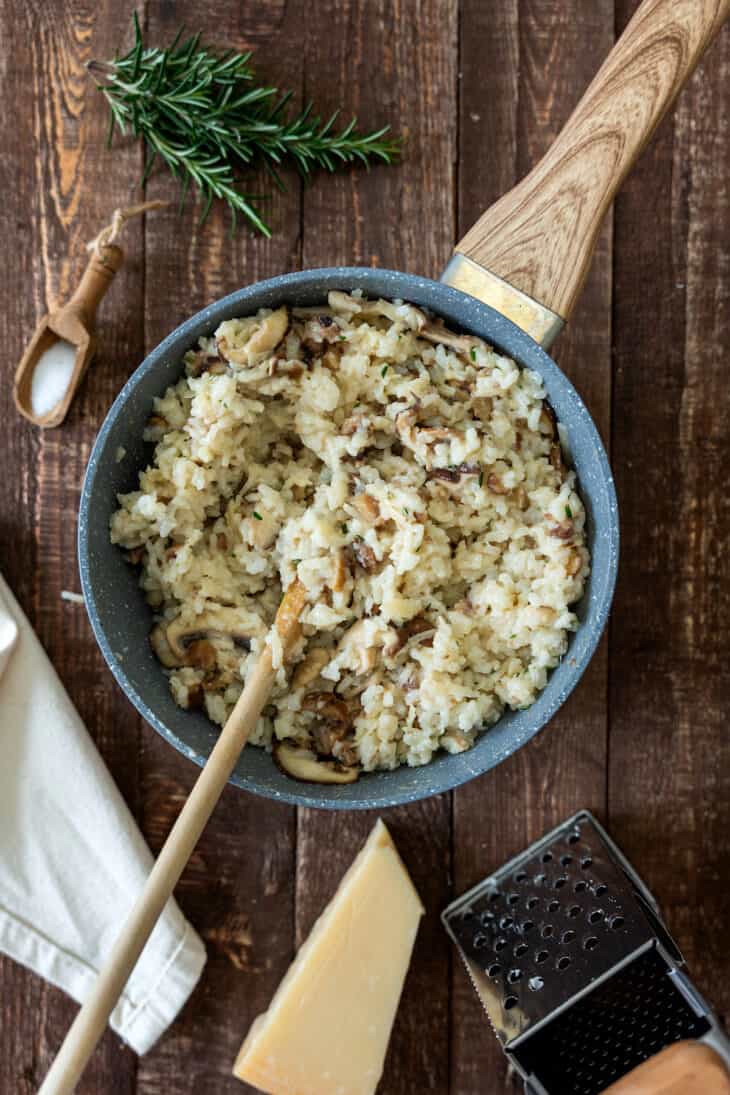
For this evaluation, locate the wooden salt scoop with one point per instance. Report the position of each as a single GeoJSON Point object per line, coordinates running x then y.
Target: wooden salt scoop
{"type": "Point", "coordinates": [90, 1023]}
{"type": "Point", "coordinates": [71, 327]}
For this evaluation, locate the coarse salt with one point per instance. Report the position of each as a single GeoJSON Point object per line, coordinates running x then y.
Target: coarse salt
{"type": "Point", "coordinates": [51, 377]}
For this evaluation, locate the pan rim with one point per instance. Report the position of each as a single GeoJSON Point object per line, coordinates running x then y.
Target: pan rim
{"type": "Point", "coordinates": [528, 354]}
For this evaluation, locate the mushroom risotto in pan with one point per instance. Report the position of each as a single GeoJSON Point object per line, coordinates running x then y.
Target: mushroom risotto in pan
{"type": "Point", "coordinates": [411, 478]}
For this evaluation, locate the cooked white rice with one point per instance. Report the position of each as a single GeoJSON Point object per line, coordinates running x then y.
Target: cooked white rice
{"type": "Point", "coordinates": [411, 478]}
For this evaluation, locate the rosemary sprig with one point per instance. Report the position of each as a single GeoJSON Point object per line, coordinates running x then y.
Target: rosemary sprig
{"type": "Point", "coordinates": [206, 117]}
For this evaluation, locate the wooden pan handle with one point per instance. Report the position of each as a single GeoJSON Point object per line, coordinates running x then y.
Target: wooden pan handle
{"type": "Point", "coordinates": [540, 236]}
{"type": "Point", "coordinates": [687, 1068]}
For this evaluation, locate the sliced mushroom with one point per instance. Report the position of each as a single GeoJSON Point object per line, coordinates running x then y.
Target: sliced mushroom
{"type": "Point", "coordinates": [367, 507]}
{"type": "Point", "coordinates": [310, 667]}
{"type": "Point", "coordinates": [325, 735]}
{"type": "Point", "coordinates": [556, 457]}
{"type": "Point", "coordinates": [302, 764]}
{"type": "Point", "coordinates": [327, 706]}
{"type": "Point", "coordinates": [357, 648]}
{"type": "Point", "coordinates": [416, 626]}
{"type": "Point", "coordinates": [496, 485]}
{"type": "Point", "coordinates": [483, 407]}
{"type": "Point", "coordinates": [364, 555]}
{"type": "Point", "coordinates": [270, 332]}
{"type": "Point", "coordinates": [573, 564]}
{"type": "Point", "coordinates": [454, 474]}
{"type": "Point", "coordinates": [562, 530]}
{"type": "Point", "coordinates": [217, 622]}
{"type": "Point", "coordinates": [201, 654]}
{"type": "Point", "coordinates": [549, 419]}
{"type": "Point", "coordinates": [162, 648]}
{"type": "Point", "coordinates": [435, 332]}
{"type": "Point", "coordinates": [340, 575]}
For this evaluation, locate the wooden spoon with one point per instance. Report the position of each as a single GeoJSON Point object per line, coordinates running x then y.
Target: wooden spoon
{"type": "Point", "coordinates": [90, 1023]}
{"type": "Point", "coordinates": [74, 323]}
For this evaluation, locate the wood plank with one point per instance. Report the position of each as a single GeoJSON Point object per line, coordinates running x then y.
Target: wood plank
{"type": "Point", "coordinates": [669, 790]}
{"type": "Point", "coordinates": [371, 59]}
{"type": "Point", "coordinates": [53, 201]}
{"type": "Point", "coordinates": [524, 66]}
{"type": "Point", "coordinates": [239, 887]}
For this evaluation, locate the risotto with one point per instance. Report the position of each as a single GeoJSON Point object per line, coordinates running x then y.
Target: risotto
{"type": "Point", "coordinates": [411, 478]}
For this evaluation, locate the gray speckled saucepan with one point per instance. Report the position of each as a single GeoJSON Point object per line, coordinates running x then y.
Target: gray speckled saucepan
{"type": "Point", "coordinates": [122, 620]}
{"type": "Point", "coordinates": [513, 281]}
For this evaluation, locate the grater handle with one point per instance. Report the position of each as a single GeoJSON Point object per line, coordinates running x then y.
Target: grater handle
{"type": "Point", "coordinates": [686, 1068]}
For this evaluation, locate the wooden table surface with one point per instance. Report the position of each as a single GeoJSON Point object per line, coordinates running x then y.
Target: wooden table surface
{"type": "Point", "coordinates": [480, 88]}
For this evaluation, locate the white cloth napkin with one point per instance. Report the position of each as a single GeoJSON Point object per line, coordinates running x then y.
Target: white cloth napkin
{"type": "Point", "coordinates": [72, 860]}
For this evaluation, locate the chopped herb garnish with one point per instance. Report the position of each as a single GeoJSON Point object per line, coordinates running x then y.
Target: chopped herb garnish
{"type": "Point", "coordinates": [342, 338]}
{"type": "Point", "coordinates": [296, 562]}
{"type": "Point", "coordinates": [568, 512]}
{"type": "Point", "coordinates": [481, 478]}
{"type": "Point", "coordinates": [344, 529]}
{"type": "Point", "coordinates": [384, 370]}
{"type": "Point", "coordinates": [473, 354]}
{"type": "Point", "coordinates": [257, 516]}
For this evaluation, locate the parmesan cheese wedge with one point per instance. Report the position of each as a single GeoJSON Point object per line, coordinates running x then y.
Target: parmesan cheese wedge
{"type": "Point", "coordinates": [327, 1028]}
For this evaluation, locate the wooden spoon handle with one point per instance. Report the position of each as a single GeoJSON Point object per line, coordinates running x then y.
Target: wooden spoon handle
{"type": "Point", "coordinates": [95, 281]}
{"type": "Point", "coordinates": [91, 1020]}
{"type": "Point", "coordinates": [540, 236]}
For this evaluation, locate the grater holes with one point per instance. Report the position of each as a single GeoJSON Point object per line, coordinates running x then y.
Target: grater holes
{"type": "Point", "coordinates": [494, 970]}
{"type": "Point", "coordinates": [553, 906]}
{"type": "Point", "coordinates": [513, 898]}
{"type": "Point", "coordinates": [547, 857]}
{"type": "Point", "coordinates": [531, 902]}
{"type": "Point", "coordinates": [580, 887]}
{"type": "Point", "coordinates": [547, 931]}
{"type": "Point", "coordinates": [562, 963]}
{"type": "Point", "coordinates": [486, 919]}
{"type": "Point", "coordinates": [527, 926]}
{"type": "Point", "coordinates": [586, 862]}
{"type": "Point", "coordinates": [560, 882]}
{"type": "Point", "coordinates": [600, 889]}
{"type": "Point", "coordinates": [567, 936]}
{"type": "Point", "coordinates": [500, 944]}
{"type": "Point", "coordinates": [514, 976]}
{"type": "Point", "coordinates": [480, 940]}
{"type": "Point", "coordinates": [520, 949]}
{"type": "Point", "coordinates": [574, 838]}
{"type": "Point", "coordinates": [573, 911]}
{"type": "Point", "coordinates": [542, 956]}
{"type": "Point", "coordinates": [616, 922]}
{"type": "Point", "coordinates": [539, 879]}
{"type": "Point", "coordinates": [535, 984]}
{"type": "Point", "coordinates": [595, 915]}
{"type": "Point", "coordinates": [521, 876]}
{"type": "Point", "coordinates": [590, 943]}
{"type": "Point", "coordinates": [495, 895]}
{"type": "Point", "coordinates": [510, 1002]}
{"type": "Point", "coordinates": [506, 922]}
{"type": "Point", "coordinates": [566, 860]}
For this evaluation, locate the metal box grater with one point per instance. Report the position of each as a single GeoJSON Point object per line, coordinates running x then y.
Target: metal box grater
{"type": "Point", "coordinates": [577, 972]}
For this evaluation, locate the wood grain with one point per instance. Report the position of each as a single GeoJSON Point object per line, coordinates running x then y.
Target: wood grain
{"type": "Point", "coordinates": [480, 103]}
{"type": "Point", "coordinates": [669, 782]}
{"type": "Point", "coordinates": [541, 235]}
{"type": "Point", "coordinates": [541, 55]}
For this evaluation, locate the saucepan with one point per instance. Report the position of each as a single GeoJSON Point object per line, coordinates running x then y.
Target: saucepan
{"type": "Point", "coordinates": [513, 281]}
